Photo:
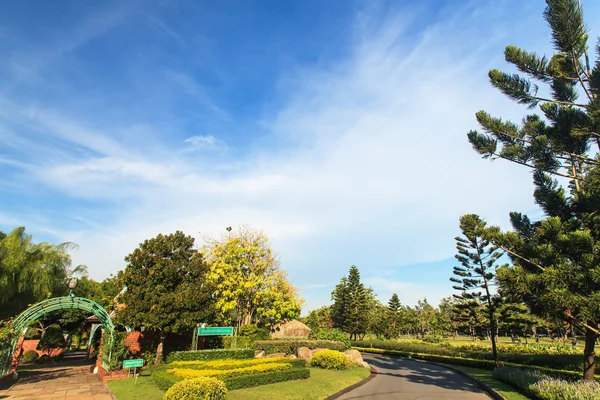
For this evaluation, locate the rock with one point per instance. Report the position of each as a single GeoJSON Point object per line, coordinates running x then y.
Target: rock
{"type": "Point", "coordinates": [291, 357]}
{"type": "Point", "coordinates": [354, 356]}
{"type": "Point", "coordinates": [292, 328]}
{"type": "Point", "coordinates": [259, 354]}
{"type": "Point", "coordinates": [364, 365]}
{"type": "Point", "coordinates": [304, 353]}
{"type": "Point", "coordinates": [276, 355]}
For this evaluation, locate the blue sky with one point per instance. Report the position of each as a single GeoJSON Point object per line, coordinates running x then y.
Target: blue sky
{"type": "Point", "coordinates": [337, 127]}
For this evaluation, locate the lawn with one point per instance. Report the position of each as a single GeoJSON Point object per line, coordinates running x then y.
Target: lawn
{"type": "Point", "coordinates": [321, 384]}
{"type": "Point", "coordinates": [485, 376]}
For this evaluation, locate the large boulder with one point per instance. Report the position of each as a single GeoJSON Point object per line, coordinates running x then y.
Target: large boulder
{"type": "Point", "coordinates": [364, 365]}
{"type": "Point", "coordinates": [291, 357]}
{"type": "Point", "coordinates": [304, 353]}
{"type": "Point", "coordinates": [276, 355]}
{"type": "Point", "coordinates": [259, 354]}
{"type": "Point", "coordinates": [354, 356]}
{"type": "Point", "coordinates": [291, 328]}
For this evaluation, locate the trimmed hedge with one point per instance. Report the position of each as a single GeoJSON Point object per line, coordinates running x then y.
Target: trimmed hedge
{"type": "Point", "coordinates": [330, 359]}
{"type": "Point", "coordinates": [237, 342]}
{"type": "Point", "coordinates": [292, 346]}
{"type": "Point", "coordinates": [474, 362]}
{"type": "Point", "coordinates": [188, 373]}
{"type": "Point", "coordinates": [246, 381]}
{"type": "Point", "coordinates": [205, 355]}
{"type": "Point", "coordinates": [29, 356]}
{"type": "Point", "coordinates": [163, 380]}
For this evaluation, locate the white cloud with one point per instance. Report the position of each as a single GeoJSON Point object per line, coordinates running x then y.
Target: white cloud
{"type": "Point", "coordinates": [205, 143]}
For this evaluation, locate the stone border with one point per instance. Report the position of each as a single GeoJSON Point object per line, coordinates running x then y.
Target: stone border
{"type": "Point", "coordinates": [371, 376]}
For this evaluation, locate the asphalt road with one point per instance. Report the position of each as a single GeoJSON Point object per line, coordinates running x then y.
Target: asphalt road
{"type": "Point", "coordinates": [398, 378]}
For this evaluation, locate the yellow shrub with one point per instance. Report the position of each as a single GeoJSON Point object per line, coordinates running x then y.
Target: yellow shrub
{"type": "Point", "coordinates": [221, 374]}
{"type": "Point", "coordinates": [227, 364]}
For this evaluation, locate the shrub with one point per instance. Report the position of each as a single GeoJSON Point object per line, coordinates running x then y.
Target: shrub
{"type": "Point", "coordinates": [265, 378]}
{"type": "Point", "coordinates": [197, 389]}
{"type": "Point", "coordinates": [29, 356]}
{"type": "Point", "coordinates": [210, 354]}
{"type": "Point", "coordinates": [433, 339]}
{"type": "Point", "coordinates": [227, 373]}
{"type": "Point", "coordinates": [332, 334]}
{"type": "Point", "coordinates": [292, 346]}
{"type": "Point", "coordinates": [253, 332]}
{"type": "Point", "coordinates": [330, 359]}
{"type": "Point", "coordinates": [43, 359]}
{"type": "Point", "coordinates": [231, 364]}
{"type": "Point", "coordinates": [117, 349]}
{"type": "Point", "coordinates": [237, 342]}
{"type": "Point", "coordinates": [163, 380]}
{"type": "Point", "coordinates": [53, 339]}
{"type": "Point", "coordinates": [554, 389]}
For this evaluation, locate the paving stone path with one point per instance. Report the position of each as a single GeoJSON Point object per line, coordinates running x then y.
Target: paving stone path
{"type": "Point", "coordinates": [58, 382]}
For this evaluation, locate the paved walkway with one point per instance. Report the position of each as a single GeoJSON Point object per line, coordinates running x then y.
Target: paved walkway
{"type": "Point", "coordinates": [57, 382]}
{"type": "Point", "coordinates": [399, 378]}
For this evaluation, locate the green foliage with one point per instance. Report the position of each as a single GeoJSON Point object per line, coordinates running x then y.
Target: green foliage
{"type": "Point", "coordinates": [394, 318]}
{"type": "Point", "coordinates": [542, 386]}
{"type": "Point", "coordinates": [237, 342]}
{"type": "Point", "coordinates": [210, 354]}
{"type": "Point", "coordinates": [166, 285]}
{"type": "Point", "coordinates": [254, 332]}
{"type": "Point", "coordinates": [53, 339]}
{"type": "Point", "coordinates": [250, 286]}
{"type": "Point", "coordinates": [319, 318]}
{"type": "Point", "coordinates": [265, 378]}
{"type": "Point", "coordinates": [351, 305]}
{"type": "Point", "coordinates": [43, 359]}
{"type": "Point", "coordinates": [433, 339]}
{"type": "Point", "coordinates": [556, 259]}
{"type": "Point", "coordinates": [292, 346]}
{"type": "Point", "coordinates": [29, 356]}
{"type": "Point", "coordinates": [330, 334]}
{"type": "Point", "coordinates": [117, 349]}
{"type": "Point", "coordinates": [197, 389]}
{"type": "Point", "coordinates": [330, 359]}
{"type": "Point", "coordinates": [30, 272]}
{"type": "Point", "coordinates": [163, 380]}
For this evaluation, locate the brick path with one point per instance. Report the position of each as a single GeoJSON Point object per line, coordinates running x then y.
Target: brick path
{"type": "Point", "coordinates": [58, 382]}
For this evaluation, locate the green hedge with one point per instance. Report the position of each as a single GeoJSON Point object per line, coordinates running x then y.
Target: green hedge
{"type": "Point", "coordinates": [163, 380]}
{"type": "Point", "coordinates": [292, 346]}
{"type": "Point", "coordinates": [474, 362]}
{"type": "Point", "coordinates": [555, 361]}
{"type": "Point", "coordinates": [246, 381]}
{"type": "Point", "coordinates": [238, 342]}
{"type": "Point", "coordinates": [205, 355]}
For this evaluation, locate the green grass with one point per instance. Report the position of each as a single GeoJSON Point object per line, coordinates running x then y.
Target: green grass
{"type": "Point", "coordinates": [321, 384]}
{"type": "Point", "coordinates": [485, 376]}
{"type": "Point", "coordinates": [125, 389]}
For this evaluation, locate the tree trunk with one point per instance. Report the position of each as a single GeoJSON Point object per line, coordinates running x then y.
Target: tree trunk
{"type": "Point", "coordinates": [589, 354]}
{"type": "Point", "coordinates": [159, 349]}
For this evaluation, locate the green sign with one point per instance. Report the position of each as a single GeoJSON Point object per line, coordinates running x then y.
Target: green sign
{"type": "Point", "coordinates": [133, 363]}
{"type": "Point", "coordinates": [214, 331]}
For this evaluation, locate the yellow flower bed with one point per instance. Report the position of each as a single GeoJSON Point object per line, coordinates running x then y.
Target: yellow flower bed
{"type": "Point", "coordinates": [221, 374]}
{"type": "Point", "coordinates": [228, 364]}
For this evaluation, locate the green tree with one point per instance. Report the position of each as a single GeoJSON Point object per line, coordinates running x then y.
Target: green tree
{"type": "Point", "coordinates": [319, 318]}
{"type": "Point", "coordinates": [445, 322]}
{"type": "Point", "coordinates": [470, 316]}
{"type": "Point", "coordinates": [30, 272]}
{"type": "Point", "coordinates": [351, 302]}
{"type": "Point", "coordinates": [377, 321]}
{"type": "Point", "coordinates": [425, 315]}
{"type": "Point", "coordinates": [250, 286]}
{"type": "Point", "coordinates": [394, 317]}
{"type": "Point", "coordinates": [476, 272]}
{"type": "Point", "coordinates": [556, 259]}
{"type": "Point", "coordinates": [167, 288]}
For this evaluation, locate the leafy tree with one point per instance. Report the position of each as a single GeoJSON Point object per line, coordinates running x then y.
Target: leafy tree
{"type": "Point", "coordinates": [377, 321]}
{"type": "Point", "coordinates": [167, 288]}
{"type": "Point", "coordinates": [30, 272]}
{"type": "Point", "coordinates": [351, 305]}
{"type": "Point", "coordinates": [250, 286]}
{"type": "Point", "coordinates": [476, 272]}
{"type": "Point", "coordinates": [53, 339]}
{"type": "Point", "coordinates": [319, 318]}
{"type": "Point", "coordinates": [470, 316]}
{"type": "Point", "coordinates": [394, 317]}
{"type": "Point", "coordinates": [556, 259]}
{"type": "Point", "coordinates": [425, 315]}
{"type": "Point", "coordinates": [445, 322]}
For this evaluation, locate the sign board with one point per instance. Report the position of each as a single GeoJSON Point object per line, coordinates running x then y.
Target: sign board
{"type": "Point", "coordinates": [215, 331]}
{"type": "Point", "coordinates": [133, 363]}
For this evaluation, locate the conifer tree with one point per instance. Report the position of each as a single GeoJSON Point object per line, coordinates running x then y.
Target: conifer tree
{"type": "Point", "coordinates": [351, 305]}
{"type": "Point", "coordinates": [556, 260]}
{"type": "Point", "coordinates": [476, 272]}
{"type": "Point", "coordinates": [394, 317]}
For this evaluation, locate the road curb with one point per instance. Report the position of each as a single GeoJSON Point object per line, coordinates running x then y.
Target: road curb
{"type": "Point", "coordinates": [371, 376]}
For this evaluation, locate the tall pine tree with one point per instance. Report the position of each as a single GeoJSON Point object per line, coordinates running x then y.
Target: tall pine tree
{"type": "Point", "coordinates": [351, 305]}
{"type": "Point", "coordinates": [476, 272]}
{"type": "Point", "coordinates": [556, 260]}
{"type": "Point", "coordinates": [394, 317]}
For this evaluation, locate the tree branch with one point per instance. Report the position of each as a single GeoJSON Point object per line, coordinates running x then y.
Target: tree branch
{"type": "Point", "coordinates": [521, 257]}
{"type": "Point", "coordinates": [534, 167]}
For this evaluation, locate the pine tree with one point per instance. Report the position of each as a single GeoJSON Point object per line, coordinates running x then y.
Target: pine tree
{"type": "Point", "coordinates": [555, 260]}
{"type": "Point", "coordinates": [393, 317]}
{"type": "Point", "coordinates": [351, 305]}
{"type": "Point", "coordinates": [477, 256]}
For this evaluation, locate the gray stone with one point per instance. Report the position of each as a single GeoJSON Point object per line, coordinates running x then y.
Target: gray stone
{"type": "Point", "coordinates": [354, 356]}
{"type": "Point", "coordinates": [292, 328]}
{"type": "Point", "coordinates": [259, 354]}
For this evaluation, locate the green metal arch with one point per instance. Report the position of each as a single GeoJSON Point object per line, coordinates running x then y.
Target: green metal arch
{"type": "Point", "coordinates": [42, 308]}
